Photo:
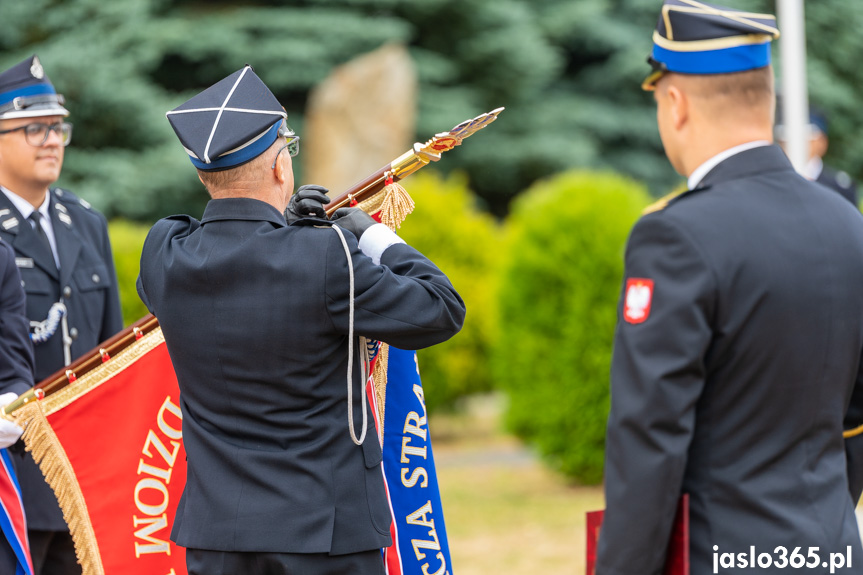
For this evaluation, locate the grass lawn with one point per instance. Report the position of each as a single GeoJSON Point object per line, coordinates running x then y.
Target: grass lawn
{"type": "Point", "coordinates": [505, 512]}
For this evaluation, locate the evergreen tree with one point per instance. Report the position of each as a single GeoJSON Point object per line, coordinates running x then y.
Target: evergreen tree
{"type": "Point", "coordinates": [569, 74]}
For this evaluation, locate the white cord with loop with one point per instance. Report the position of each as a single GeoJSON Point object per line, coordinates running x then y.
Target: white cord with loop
{"type": "Point", "coordinates": [364, 350]}
{"type": "Point", "coordinates": [43, 330]}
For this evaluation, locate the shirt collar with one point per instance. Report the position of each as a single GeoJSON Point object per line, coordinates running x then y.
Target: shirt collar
{"type": "Point", "coordinates": [698, 174]}
{"type": "Point", "coordinates": [25, 208]}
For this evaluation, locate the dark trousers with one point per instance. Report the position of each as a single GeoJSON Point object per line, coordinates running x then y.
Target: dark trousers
{"type": "Point", "coordinates": [204, 562]}
{"type": "Point", "coordinates": [8, 561]}
{"type": "Point", "coordinates": [53, 553]}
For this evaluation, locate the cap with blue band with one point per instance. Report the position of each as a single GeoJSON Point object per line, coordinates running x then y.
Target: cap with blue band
{"type": "Point", "coordinates": [26, 92]}
{"type": "Point", "coordinates": [693, 37]}
{"type": "Point", "coordinates": [230, 123]}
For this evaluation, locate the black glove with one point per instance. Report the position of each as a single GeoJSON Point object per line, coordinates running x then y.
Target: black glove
{"type": "Point", "coordinates": [354, 220]}
{"type": "Point", "coordinates": [307, 202]}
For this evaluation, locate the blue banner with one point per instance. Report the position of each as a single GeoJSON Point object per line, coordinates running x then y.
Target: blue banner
{"type": "Point", "coordinates": [419, 534]}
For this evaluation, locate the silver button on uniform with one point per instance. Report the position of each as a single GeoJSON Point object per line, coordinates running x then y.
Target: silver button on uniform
{"type": "Point", "coordinates": [67, 292]}
{"type": "Point", "coordinates": [73, 333]}
{"type": "Point", "coordinates": [96, 278]}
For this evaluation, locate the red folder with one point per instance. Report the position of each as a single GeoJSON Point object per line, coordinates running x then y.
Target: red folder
{"type": "Point", "coordinates": [677, 556]}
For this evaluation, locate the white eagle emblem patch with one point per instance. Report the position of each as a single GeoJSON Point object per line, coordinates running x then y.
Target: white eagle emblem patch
{"type": "Point", "coordinates": [639, 295]}
{"type": "Point", "coordinates": [36, 68]}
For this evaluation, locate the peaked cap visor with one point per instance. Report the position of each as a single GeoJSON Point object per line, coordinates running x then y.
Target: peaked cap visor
{"type": "Point", "coordinates": [23, 95]}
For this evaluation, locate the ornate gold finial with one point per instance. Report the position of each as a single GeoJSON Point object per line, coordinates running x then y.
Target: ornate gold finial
{"type": "Point", "coordinates": [446, 141]}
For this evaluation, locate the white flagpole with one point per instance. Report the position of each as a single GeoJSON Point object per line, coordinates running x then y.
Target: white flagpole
{"type": "Point", "coordinates": [795, 98]}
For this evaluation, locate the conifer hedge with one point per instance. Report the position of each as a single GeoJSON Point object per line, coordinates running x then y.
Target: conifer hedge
{"type": "Point", "coordinates": [558, 298]}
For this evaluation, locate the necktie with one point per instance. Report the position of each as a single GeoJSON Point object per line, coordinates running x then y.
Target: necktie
{"type": "Point", "coordinates": [36, 219]}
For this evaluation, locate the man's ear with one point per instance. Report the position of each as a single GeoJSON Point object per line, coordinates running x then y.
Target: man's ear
{"type": "Point", "coordinates": [279, 172]}
{"type": "Point", "coordinates": [679, 106]}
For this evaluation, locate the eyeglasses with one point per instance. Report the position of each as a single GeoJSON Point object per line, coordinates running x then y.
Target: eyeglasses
{"type": "Point", "coordinates": [37, 134]}
{"type": "Point", "coordinates": [292, 143]}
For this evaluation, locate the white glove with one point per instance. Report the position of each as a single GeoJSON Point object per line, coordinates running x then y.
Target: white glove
{"type": "Point", "coordinates": [9, 430]}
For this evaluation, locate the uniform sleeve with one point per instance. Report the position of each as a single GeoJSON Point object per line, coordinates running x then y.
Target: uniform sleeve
{"type": "Point", "coordinates": [657, 376]}
{"type": "Point", "coordinates": [404, 300]}
{"type": "Point", "coordinates": [854, 443]}
{"type": "Point", "coordinates": [16, 351]}
{"type": "Point", "coordinates": [112, 319]}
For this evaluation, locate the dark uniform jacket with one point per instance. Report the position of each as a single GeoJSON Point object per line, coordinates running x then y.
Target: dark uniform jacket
{"type": "Point", "coordinates": [87, 284]}
{"type": "Point", "coordinates": [731, 379]}
{"type": "Point", "coordinates": [16, 353]}
{"type": "Point", "coordinates": [840, 182]}
{"type": "Point", "coordinates": [255, 316]}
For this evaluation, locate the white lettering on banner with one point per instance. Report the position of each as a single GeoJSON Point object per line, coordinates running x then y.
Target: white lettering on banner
{"type": "Point", "coordinates": [419, 518]}
{"type": "Point", "coordinates": [151, 492]}
{"type": "Point", "coordinates": [152, 524]}
{"type": "Point", "coordinates": [413, 423]}
{"type": "Point", "coordinates": [416, 425]}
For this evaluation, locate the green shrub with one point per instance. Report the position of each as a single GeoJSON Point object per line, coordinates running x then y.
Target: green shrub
{"type": "Point", "coordinates": [467, 245]}
{"type": "Point", "coordinates": [127, 240]}
{"type": "Point", "coordinates": [558, 300]}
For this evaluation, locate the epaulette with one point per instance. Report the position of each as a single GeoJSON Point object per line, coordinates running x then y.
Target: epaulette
{"type": "Point", "coordinates": [68, 197]}
{"type": "Point", "coordinates": [666, 201]}
{"type": "Point", "coordinates": [661, 203]}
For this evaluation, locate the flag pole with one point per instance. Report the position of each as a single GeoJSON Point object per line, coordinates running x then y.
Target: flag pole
{"type": "Point", "coordinates": [412, 160]}
{"type": "Point", "coordinates": [795, 99]}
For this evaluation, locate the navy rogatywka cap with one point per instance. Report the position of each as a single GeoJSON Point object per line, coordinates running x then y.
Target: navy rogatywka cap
{"type": "Point", "coordinates": [230, 123]}
{"type": "Point", "coordinates": [26, 92]}
{"type": "Point", "coordinates": [693, 37]}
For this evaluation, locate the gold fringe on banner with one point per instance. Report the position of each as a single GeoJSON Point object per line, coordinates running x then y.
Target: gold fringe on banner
{"type": "Point", "coordinates": [379, 378]}
{"type": "Point", "coordinates": [40, 439]}
{"type": "Point", "coordinates": [52, 460]}
{"type": "Point", "coordinates": [394, 204]}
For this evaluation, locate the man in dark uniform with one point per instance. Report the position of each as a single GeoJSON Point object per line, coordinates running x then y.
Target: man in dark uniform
{"type": "Point", "coordinates": [260, 317]}
{"type": "Point", "coordinates": [64, 257]}
{"type": "Point", "coordinates": [740, 332]}
{"type": "Point", "coordinates": [816, 169]}
{"type": "Point", "coordinates": [16, 377]}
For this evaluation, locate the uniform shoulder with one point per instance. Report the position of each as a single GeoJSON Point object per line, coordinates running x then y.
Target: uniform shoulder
{"type": "Point", "coordinates": [661, 203]}
{"type": "Point", "coordinates": [175, 224]}
{"type": "Point", "coordinates": [669, 200]}
{"type": "Point", "coordinates": [67, 202]}
{"type": "Point", "coordinates": [69, 199]}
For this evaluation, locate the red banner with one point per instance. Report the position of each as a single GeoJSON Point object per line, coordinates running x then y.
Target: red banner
{"type": "Point", "coordinates": [120, 430]}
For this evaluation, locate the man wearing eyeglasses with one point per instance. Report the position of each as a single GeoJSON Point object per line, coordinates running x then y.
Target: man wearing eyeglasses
{"type": "Point", "coordinates": [261, 313]}
{"type": "Point", "coordinates": [64, 257]}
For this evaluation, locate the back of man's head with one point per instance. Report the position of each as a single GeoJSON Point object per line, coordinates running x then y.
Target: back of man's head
{"type": "Point", "coordinates": [730, 99]}
{"type": "Point", "coordinates": [242, 179]}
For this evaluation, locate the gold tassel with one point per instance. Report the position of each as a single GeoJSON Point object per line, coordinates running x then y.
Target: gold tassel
{"type": "Point", "coordinates": [397, 204]}
{"type": "Point", "coordinates": [379, 377]}
{"type": "Point", "coordinates": [49, 454]}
